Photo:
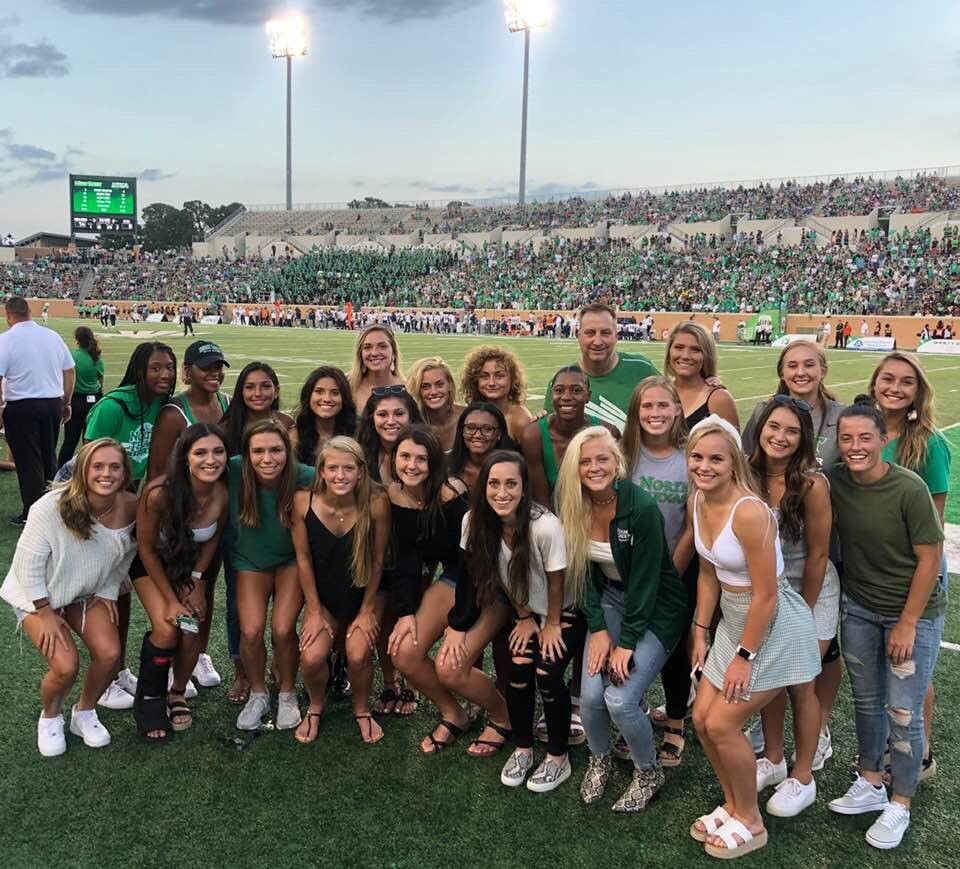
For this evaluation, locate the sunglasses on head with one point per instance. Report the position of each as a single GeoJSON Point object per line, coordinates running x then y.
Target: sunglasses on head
{"type": "Point", "coordinates": [396, 389]}
{"type": "Point", "coordinates": [788, 401]}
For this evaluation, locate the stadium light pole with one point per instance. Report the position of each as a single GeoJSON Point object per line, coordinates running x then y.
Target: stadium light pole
{"type": "Point", "coordinates": [524, 16]}
{"type": "Point", "coordinates": [288, 39]}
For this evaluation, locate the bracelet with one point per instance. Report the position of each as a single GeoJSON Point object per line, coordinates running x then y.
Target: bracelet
{"type": "Point", "coordinates": [527, 616]}
{"type": "Point", "coordinates": [196, 574]}
{"type": "Point", "coordinates": [40, 606]}
{"type": "Point", "coordinates": [697, 624]}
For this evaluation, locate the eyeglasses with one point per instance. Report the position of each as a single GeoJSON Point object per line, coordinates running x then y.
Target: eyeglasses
{"type": "Point", "coordinates": [488, 431]}
{"type": "Point", "coordinates": [786, 400]}
{"type": "Point", "coordinates": [396, 389]}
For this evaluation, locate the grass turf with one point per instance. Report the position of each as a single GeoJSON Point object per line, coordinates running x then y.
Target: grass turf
{"type": "Point", "coordinates": [200, 801]}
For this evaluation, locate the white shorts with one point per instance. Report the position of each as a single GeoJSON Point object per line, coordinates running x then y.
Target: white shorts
{"type": "Point", "coordinates": [826, 611]}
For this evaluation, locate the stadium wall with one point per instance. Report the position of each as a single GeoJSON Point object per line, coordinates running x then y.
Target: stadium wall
{"type": "Point", "coordinates": [905, 329]}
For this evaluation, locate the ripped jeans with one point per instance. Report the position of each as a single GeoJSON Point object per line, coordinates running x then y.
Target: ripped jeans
{"type": "Point", "coordinates": [888, 700]}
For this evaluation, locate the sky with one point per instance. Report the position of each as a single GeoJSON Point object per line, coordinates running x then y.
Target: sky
{"type": "Point", "coordinates": [420, 99]}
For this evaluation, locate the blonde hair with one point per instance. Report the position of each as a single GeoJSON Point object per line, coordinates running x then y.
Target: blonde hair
{"type": "Point", "coordinates": [708, 347]}
{"type": "Point", "coordinates": [75, 509]}
{"type": "Point", "coordinates": [633, 432]}
{"type": "Point", "coordinates": [416, 375]}
{"type": "Point", "coordinates": [358, 370]}
{"type": "Point", "coordinates": [361, 562]}
{"type": "Point", "coordinates": [575, 511]}
{"type": "Point", "coordinates": [920, 422]}
{"type": "Point", "coordinates": [473, 364]}
{"type": "Point", "coordinates": [823, 393]}
{"type": "Point", "coordinates": [741, 471]}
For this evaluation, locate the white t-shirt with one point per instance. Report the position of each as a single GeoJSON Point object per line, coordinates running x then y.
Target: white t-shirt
{"type": "Point", "coordinates": [32, 362]}
{"type": "Point", "coordinates": [548, 553]}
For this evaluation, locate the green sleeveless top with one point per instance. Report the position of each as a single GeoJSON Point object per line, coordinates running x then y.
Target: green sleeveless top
{"type": "Point", "coordinates": [180, 403]}
{"type": "Point", "coordinates": [550, 466]}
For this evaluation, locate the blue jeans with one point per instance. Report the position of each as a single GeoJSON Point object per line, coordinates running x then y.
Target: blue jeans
{"type": "Point", "coordinates": [601, 701]}
{"type": "Point", "coordinates": [888, 700]}
{"type": "Point", "coordinates": [230, 577]}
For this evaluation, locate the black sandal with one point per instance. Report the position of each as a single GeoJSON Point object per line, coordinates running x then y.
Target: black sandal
{"type": "Point", "coordinates": [178, 709]}
{"type": "Point", "coordinates": [369, 719]}
{"type": "Point", "coordinates": [505, 732]}
{"type": "Point", "coordinates": [405, 698]}
{"type": "Point", "coordinates": [670, 753]}
{"type": "Point", "coordinates": [440, 744]}
{"type": "Point", "coordinates": [307, 717]}
{"type": "Point", "coordinates": [387, 695]}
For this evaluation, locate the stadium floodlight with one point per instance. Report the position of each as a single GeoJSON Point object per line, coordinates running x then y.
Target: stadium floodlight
{"type": "Point", "coordinates": [525, 15]}
{"type": "Point", "coordinates": [288, 39]}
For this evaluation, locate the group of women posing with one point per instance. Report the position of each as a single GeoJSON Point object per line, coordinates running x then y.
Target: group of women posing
{"type": "Point", "coordinates": [392, 518]}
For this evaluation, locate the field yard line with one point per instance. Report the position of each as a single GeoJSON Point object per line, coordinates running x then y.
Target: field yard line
{"type": "Point", "coordinates": [953, 647]}
{"type": "Point", "coordinates": [952, 425]}
{"type": "Point", "coordinates": [850, 383]}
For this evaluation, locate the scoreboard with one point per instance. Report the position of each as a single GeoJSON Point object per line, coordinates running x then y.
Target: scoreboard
{"type": "Point", "coordinates": [101, 203]}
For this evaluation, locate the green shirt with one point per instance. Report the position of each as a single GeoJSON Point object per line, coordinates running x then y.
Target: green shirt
{"type": "Point", "coordinates": [269, 545]}
{"type": "Point", "coordinates": [935, 470]}
{"type": "Point", "coordinates": [120, 415]}
{"type": "Point", "coordinates": [656, 598]}
{"type": "Point", "coordinates": [879, 524]}
{"type": "Point", "coordinates": [89, 373]}
{"type": "Point", "coordinates": [610, 393]}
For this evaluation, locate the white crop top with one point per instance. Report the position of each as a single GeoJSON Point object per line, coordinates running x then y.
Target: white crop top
{"type": "Point", "coordinates": [202, 535]}
{"type": "Point", "coordinates": [726, 554]}
{"type": "Point", "coordinates": [603, 555]}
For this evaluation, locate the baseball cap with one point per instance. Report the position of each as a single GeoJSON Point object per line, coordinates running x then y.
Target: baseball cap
{"type": "Point", "coordinates": [204, 353]}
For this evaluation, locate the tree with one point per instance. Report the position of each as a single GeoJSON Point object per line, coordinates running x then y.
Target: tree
{"type": "Point", "coordinates": [166, 227]}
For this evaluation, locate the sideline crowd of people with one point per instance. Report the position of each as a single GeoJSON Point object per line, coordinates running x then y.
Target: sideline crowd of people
{"type": "Point", "coordinates": [629, 531]}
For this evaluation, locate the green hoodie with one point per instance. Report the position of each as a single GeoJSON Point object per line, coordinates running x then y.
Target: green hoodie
{"type": "Point", "coordinates": [656, 598]}
{"type": "Point", "coordinates": [121, 415]}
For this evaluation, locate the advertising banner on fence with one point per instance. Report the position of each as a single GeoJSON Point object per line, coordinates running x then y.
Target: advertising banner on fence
{"type": "Point", "coordinates": [784, 340]}
{"type": "Point", "coordinates": [940, 345]}
{"type": "Point", "coordinates": [210, 319]}
{"type": "Point", "coordinates": [883, 345]}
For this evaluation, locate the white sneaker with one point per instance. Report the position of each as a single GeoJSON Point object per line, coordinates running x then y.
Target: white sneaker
{"type": "Point", "coordinates": [115, 697]}
{"type": "Point", "coordinates": [516, 768]}
{"type": "Point", "coordinates": [288, 710]}
{"type": "Point", "coordinates": [50, 739]}
{"type": "Point", "coordinates": [887, 831]}
{"type": "Point", "coordinates": [86, 725]}
{"type": "Point", "coordinates": [127, 681]}
{"type": "Point", "coordinates": [205, 673]}
{"type": "Point", "coordinates": [823, 753]}
{"type": "Point", "coordinates": [189, 692]}
{"type": "Point", "coordinates": [549, 775]}
{"type": "Point", "coordinates": [791, 798]}
{"type": "Point", "coordinates": [861, 797]}
{"type": "Point", "coordinates": [769, 773]}
{"type": "Point", "coordinates": [252, 714]}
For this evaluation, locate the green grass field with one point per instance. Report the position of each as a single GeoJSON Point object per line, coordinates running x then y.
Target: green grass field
{"type": "Point", "coordinates": [200, 801]}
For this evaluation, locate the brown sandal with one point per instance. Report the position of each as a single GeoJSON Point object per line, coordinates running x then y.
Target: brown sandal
{"type": "Point", "coordinates": [306, 719]}
{"type": "Point", "coordinates": [670, 754]}
{"type": "Point", "coordinates": [370, 722]}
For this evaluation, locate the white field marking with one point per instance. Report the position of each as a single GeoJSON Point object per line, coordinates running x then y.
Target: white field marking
{"type": "Point", "coordinates": [953, 424]}
{"type": "Point", "coordinates": [535, 397]}
{"type": "Point", "coordinates": [850, 383]}
{"type": "Point", "coordinates": [951, 545]}
{"type": "Point", "coordinates": [953, 647]}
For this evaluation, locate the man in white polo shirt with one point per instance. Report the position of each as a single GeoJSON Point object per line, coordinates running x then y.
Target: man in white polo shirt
{"type": "Point", "coordinates": [37, 378]}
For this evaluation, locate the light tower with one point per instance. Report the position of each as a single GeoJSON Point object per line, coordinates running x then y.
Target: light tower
{"type": "Point", "coordinates": [524, 16]}
{"type": "Point", "coordinates": [288, 39]}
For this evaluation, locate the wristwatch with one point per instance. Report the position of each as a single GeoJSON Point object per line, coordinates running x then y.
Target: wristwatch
{"type": "Point", "coordinates": [745, 653]}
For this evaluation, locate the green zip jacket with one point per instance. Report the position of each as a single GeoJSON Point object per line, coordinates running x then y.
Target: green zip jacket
{"type": "Point", "coordinates": [656, 598]}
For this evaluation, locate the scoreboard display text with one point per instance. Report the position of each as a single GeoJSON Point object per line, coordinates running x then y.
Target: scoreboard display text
{"type": "Point", "coordinates": [103, 204]}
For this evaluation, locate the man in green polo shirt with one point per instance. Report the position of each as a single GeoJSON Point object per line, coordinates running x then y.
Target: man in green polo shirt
{"type": "Point", "coordinates": [613, 376]}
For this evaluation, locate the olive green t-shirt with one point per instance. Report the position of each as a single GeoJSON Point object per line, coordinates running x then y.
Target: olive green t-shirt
{"type": "Point", "coordinates": [89, 373]}
{"type": "Point", "coordinates": [270, 544]}
{"type": "Point", "coordinates": [879, 524]}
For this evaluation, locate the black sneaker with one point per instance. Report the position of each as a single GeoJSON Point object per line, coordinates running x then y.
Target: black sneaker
{"type": "Point", "coordinates": [18, 521]}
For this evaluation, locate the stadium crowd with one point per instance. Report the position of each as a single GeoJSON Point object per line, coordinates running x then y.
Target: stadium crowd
{"type": "Point", "coordinates": [630, 531]}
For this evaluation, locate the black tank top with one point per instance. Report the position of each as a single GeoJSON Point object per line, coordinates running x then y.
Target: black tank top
{"type": "Point", "coordinates": [332, 557]}
{"type": "Point", "coordinates": [702, 412]}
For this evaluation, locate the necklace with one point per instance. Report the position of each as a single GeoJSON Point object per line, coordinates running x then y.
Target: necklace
{"type": "Point", "coordinates": [606, 501]}
{"type": "Point", "coordinates": [99, 516]}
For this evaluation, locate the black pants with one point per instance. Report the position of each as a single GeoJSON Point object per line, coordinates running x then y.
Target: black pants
{"type": "Point", "coordinates": [675, 674]}
{"type": "Point", "coordinates": [32, 426]}
{"type": "Point", "coordinates": [73, 430]}
{"type": "Point", "coordinates": [530, 667]}
{"type": "Point", "coordinates": [187, 324]}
